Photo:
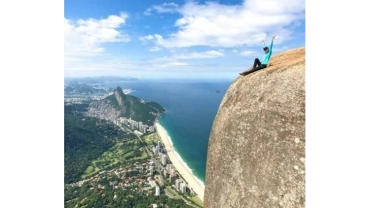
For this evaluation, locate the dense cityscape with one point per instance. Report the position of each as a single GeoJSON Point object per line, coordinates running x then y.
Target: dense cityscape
{"type": "Point", "coordinates": [136, 166]}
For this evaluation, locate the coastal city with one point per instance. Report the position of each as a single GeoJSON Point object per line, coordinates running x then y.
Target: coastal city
{"type": "Point", "coordinates": [147, 165]}
{"type": "Point", "coordinates": [141, 178]}
{"type": "Point", "coordinates": [159, 153]}
{"type": "Point", "coordinates": [154, 176]}
{"type": "Point", "coordinates": [104, 110]}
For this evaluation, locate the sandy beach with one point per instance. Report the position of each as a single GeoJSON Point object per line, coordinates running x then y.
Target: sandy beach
{"type": "Point", "coordinates": [180, 167]}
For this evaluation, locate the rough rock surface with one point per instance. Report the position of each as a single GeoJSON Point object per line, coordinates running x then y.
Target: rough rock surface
{"type": "Point", "coordinates": [256, 152]}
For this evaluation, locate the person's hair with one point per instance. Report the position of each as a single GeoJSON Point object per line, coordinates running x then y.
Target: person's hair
{"type": "Point", "coordinates": [265, 48]}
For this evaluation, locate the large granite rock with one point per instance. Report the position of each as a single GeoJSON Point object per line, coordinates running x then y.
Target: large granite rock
{"type": "Point", "coordinates": [256, 153]}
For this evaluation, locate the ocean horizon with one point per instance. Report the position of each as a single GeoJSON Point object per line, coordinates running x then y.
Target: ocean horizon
{"type": "Point", "coordinates": [191, 108]}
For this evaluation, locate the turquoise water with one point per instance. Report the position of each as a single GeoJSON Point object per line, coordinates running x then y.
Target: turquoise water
{"type": "Point", "coordinates": [191, 107]}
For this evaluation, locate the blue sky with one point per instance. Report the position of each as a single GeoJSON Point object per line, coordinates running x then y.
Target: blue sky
{"type": "Point", "coordinates": [176, 39]}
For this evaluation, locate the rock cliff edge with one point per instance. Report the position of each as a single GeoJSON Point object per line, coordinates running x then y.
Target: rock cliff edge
{"type": "Point", "coordinates": [256, 152]}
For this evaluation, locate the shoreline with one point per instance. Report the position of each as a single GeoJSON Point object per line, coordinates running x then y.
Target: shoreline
{"type": "Point", "coordinates": [180, 165]}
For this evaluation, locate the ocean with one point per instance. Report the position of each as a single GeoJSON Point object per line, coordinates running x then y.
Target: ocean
{"type": "Point", "coordinates": [191, 108]}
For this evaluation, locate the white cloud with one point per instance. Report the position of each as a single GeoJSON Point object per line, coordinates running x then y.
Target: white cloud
{"type": "Point", "coordinates": [217, 25]}
{"type": "Point", "coordinates": [235, 28]}
{"type": "Point", "coordinates": [148, 12]}
{"type": "Point", "coordinates": [280, 49]}
{"type": "Point", "coordinates": [175, 63]}
{"type": "Point", "coordinates": [166, 8]}
{"type": "Point", "coordinates": [247, 53]}
{"type": "Point", "coordinates": [183, 61]}
{"type": "Point", "coordinates": [147, 38]}
{"type": "Point", "coordinates": [155, 48]}
{"type": "Point", "coordinates": [102, 67]}
{"type": "Point", "coordinates": [85, 38]}
{"type": "Point", "coordinates": [200, 55]}
{"type": "Point", "coordinates": [165, 63]}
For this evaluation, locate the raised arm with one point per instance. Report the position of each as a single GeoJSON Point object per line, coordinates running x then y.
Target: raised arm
{"type": "Point", "coordinates": [272, 42]}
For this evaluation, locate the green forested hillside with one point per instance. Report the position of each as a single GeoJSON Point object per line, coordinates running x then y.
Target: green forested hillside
{"type": "Point", "coordinates": [135, 108]}
{"type": "Point", "coordinates": [127, 198]}
{"type": "Point", "coordinates": [85, 138]}
{"type": "Point", "coordinates": [156, 106]}
{"type": "Point", "coordinates": [114, 162]}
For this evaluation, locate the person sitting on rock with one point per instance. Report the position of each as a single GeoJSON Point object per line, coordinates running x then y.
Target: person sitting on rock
{"type": "Point", "coordinates": [257, 64]}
